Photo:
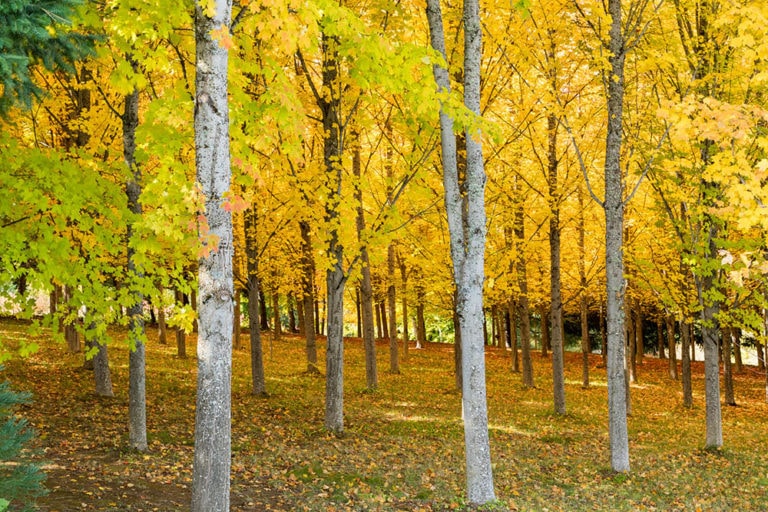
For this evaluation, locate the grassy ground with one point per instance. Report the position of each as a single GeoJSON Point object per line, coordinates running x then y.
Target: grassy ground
{"type": "Point", "coordinates": [403, 447]}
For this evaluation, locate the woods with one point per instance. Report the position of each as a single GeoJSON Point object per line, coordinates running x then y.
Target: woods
{"type": "Point", "coordinates": [533, 178]}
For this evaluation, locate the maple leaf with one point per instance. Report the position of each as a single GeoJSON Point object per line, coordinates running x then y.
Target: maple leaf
{"type": "Point", "coordinates": [223, 36]}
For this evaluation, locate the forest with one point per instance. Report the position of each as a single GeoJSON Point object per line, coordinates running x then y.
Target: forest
{"type": "Point", "coordinates": [383, 254]}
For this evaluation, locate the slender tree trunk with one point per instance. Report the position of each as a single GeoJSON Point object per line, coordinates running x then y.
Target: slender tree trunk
{"type": "Point", "coordinates": [737, 350]}
{"type": "Point", "coordinates": [162, 326]}
{"type": "Point", "coordinates": [513, 338]}
{"type": "Point", "coordinates": [727, 336]}
{"type": "Point", "coordinates": [404, 305]}
{"type": "Point", "coordinates": [639, 334]}
{"type": "Point", "coordinates": [523, 309]}
{"type": "Point", "coordinates": [631, 340]}
{"type": "Point", "coordinates": [366, 288]}
{"type": "Point", "coordinates": [603, 334]}
{"type": "Point", "coordinates": [236, 327]}
{"type": "Point", "coordinates": [181, 334]}
{"type": "Point", "coordinates": [384, 319]}
{"type": "Point", "coordinates": [137, 401]}
{"type": "Point", "coordinates": [277, 331]}
{"type": "Point", "coordinates": [379, 328]}
{"type": "Point", "coordinates": [211, 468]}
{"type": "Point", "coordinates": [614, 256]}
{"type": "Point", "coordinates": [583, 306]}
{"type": "Point", "coordinates": [671, 347]}
{"type": "Point", "coordinates": [660, 336]}
{"type": "Point", "coordinates": [101, 373]}
{"type": "Point", "coordinates": [685, 364]}
{"type": "Point", "coordinates": [421, 324]}
{"type": "Point", "coordinates": [358, 313]}
{"type": "Point", "coordinates": [544, 325]}
{"type": "Point", "coordinates": [308, 284]}
{"type": "Point", "coordinates": [263, 313]}
{"type": "Point", "coordinates": [394, 355]}
{"type": "Point", "coordinates": [250, 224]}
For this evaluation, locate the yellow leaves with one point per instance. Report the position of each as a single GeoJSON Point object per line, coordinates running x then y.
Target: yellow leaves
{"type": "Point", "coordinates": [208, 7]}
{"type": "Point", "coordinates": [223, 36]}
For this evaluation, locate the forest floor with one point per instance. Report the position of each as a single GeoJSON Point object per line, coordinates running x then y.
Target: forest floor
{"type": "Point", "coordinates": [403, 445]}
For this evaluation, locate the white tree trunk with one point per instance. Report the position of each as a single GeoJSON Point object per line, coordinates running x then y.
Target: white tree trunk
{"type": "Point", "coordinates": [137, 402]}
{"type": "Point", "coordinates": [467, 253]}
{"type": "Point", "coordinates": [614, 259]}
{"type": "Point", "coordinates": [210, 479]}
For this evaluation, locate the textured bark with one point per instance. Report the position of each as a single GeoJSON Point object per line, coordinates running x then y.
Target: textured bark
{"type": "Point", "coordinates": [379, 328]}
{"type": "Point", "coordinates": [631, 340]}
{"type": "Point", "coordinates": [101, 374]}
{"type": "Point", "coordinates": [739, 364]}
{"type": "Point", "coordinates": [727, 335]}
{"type": "Point", "coordinates": [277, 329]}
{"type": "Point", "coordinates": [467, 234]}
{"type": "Point", "coordinates": [366, 288]}
{"type": "Point", "coordinates": [544, 324]}
{"type": "Point", "coordinates": [236, 326]}
{"type": "Point", "coordinates": [685, 364]}
{"type": "Point", "coordinates": [137, 401]}
{"type": "Point", "coordinates": [212, 458]}
{"type": "Point", "coordinates": [308, 280]}
{"type": "Point", "coordinates": [330, 106]}
{"type": "Point", "coordinates": [660, 341]}
{"type": "Point", "coordinates": [384, 319]}
{"type": "Point", "coordinates": [250, 222]}
{"type": "Point", "coordinates": [394, 353]}
{"type": "Point", "coordinates": [614, 264]}
{"type": "Point", "coordinates": [513, 338]}
{"type": "Point", "coordinates": [603, 334]}
{"type": "Point", "coordinates": [639, 334]}
{"type": "Point", "coordinates": [583, 306]}
{"type": "Point", "coordinates": [404, 305]}
{"type": "Point", "coordinates": [671, 347]}
{"type": "Point", "coordinates": [556, 301]}
{"type": "Point", "coordinates": [523, 308]}
{"type": "Point", "coordinates": [181, 335]}
{"type": "Point", "coordinates": [162, 327]}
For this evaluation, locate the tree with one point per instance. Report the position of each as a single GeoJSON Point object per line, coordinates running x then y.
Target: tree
{"type": "Point", "coordinates": [20, 480]}
{"type": "Point", "coordinates": [36, 32]}
{"type": "Point", "coordinates": [210, 480]}
{"type": "Point", "coordinates": [467, 234]}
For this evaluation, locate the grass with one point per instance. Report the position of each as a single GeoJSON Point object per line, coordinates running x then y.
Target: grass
{"type": "Point", "coordinates": [403, 445]}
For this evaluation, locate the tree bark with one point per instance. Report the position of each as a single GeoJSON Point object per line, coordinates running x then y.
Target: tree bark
{"type": "Point", "coordinates": [366, 288]}
{"type": "Point", "coordinates": [277, 330]}
{"type": "Point", "coordinates": [513, 338]}
{"type": "Point", "coordinates": [467, 253]}
{"type": "Point", "coordinates": [614, 256]}
{"type": "Point", "coordinates": [523, 308]}
{"type": "Point", "coordinates": [685, 364]}
{"type": "Point", "coordinates": [727, 335]}
{"type": "Point", "coordinates": [137, 401]}
{"type": "Point", "coordinates": [211, 467]}
{"type": "Point", "coordinates": [394, 355]}
{"type": "Point", "coordinates": [660, 342]}
{"type": "Point", "coordinates": [101, 373]}
{"type": "Point", "coordinates": [671, 347]}
{"type": "Point", "coordinates": [404, 305]}
{"type": "Point", "coordinates": [739, 364]}
{"type": "Point", "coordinates": [258, 382]}
{"type": "Point", "coordinates": [308, 284]}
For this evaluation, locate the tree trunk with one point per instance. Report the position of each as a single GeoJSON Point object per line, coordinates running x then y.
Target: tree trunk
{"type": "Point", "coordinates": [379, 328]}
{"type": "Point", "coordinates": [631, 340]}
{"type": "Point", "coordinates": [212, 459]}
{"type": "Point", "coordinates": [181, 334]}
{"type": "Point", "coordinates": [137, 401]}
{"type": "Point", "coordinates": [263, 313]}
{"type": "Point", "coordinates": [737, 350]}
{"type": "Point", "coordinates": [660, 336]}
{"type": "Point", "coordinates": [358, 313]}
{"type": "Point", "coordinates": [639, 334]}
{"type": "Point", "coordinates": [544, 325]}
{"type": "Point", "coordinates": [101, 374]}
{"type": "Point", "coordinates": [236, 327]}
{"type": "Point", "coordinates": [671, 347]}
{"type": "Point", "coordinates": [394, 355]}
{"type": "Point", "coordinates": [330, 106]}
{"type": "Point", "coordinates": [556, 304]}
{"type": "Point", "coordinates": [421, 324]}
{"type": "Point", "coordinates": [308, 284]}
{"type": "Point", "coordinates": [603, 335]}
{"type": "Point", "coordinates": [250, 224]}
{"type": "Point", "coordinates": [727, 335]}
{"type": "Point", "coordinates": [366, 288]}
{"type": "Point", "coordinates": [277, 330]}
{"type": "Point", "coordinates": [512, 330]}
{"type": "Point", "coordinates": [467, 251]}
{"type": "Point", "coordinates": [404, 305]}
{"type": "Point", "coordinates": [162, 327]}
{"type": "Point", "coordinates": [457, 349]}
{"type": "Point", "coordinates": [523, 309]}
{"type": "Point", "coordinates": [384, 319]}
{"type": "Point", "coordinates": [614, 256]}
{"type": "Point", "coordinates": [685, 364]}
